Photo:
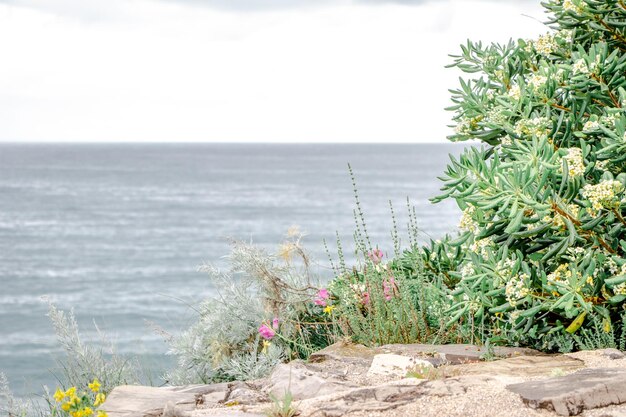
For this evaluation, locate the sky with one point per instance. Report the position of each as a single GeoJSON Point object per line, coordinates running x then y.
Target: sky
{"type": "Point", "coordinates": [240, 70]}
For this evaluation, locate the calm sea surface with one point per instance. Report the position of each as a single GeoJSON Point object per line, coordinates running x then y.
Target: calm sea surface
{"type": "Point", "coordinates": [117, 232]}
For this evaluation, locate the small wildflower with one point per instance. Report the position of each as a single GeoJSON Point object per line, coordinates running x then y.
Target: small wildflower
{"type": "Point", "coordinates": [376, 256]}
{"type": "Point", "coordinates": [322, 296]}
{"type": "Point", "coordinates": [94, 386]}
{"type": "Point", "coordinates": [329, 310]}
{"type": "Point", "coordinates": [66, 406]}
{"type": "Point", "coordinates": [59, 395]}
{"type": "Point", "coordinates": [275, 323]}
{"type": "Point", "coordinates": [102, 413]}
{"type": "Point", "coordinates": [100, 398]}
{"type": "Point", "coordinates": [266, 345]}
{"type": "Point", "coordinates": [266, 332]}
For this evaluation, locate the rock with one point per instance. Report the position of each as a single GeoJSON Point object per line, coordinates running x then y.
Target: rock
{"type": "Point", "coordinates": [383, 397]}
{"type": "Point", "coordinates": [244, 393]}
{"type": "Point", "coordinates": [302, 382]}
{"type": "Point", "coordinates": [570, 395]}
{"type": "Point", "coordinates": [379, 398]}
{"type": "Point", "coordinates": [137, 401]}
{"type": "Point", "coordinates": [455, 354]}
{"type": "Point", "coordinates": [345, 352]}
{"type": "Point", "coordinates": [523, 366]}
{"type": "Point", "coordinates": [387, 364]}
{"type": "Point", "coordinates": [225, 413]}
{"type": "Point", "coordinates": [612, 353]}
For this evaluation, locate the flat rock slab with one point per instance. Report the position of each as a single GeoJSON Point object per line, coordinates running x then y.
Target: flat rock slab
{"type": "Point", "coordinates": [456, 354]}
{"type": "Point", "coordinates": [570, 395]}
{"type": "Point", "coordinates": [303, 383]}
{"type": "Point", "coordinates": [139, 401]}
{"type": "Point", "coordinates": [388, 364]}
{"type": "Point", "coordinates": [341, 351]}
{"type": "Point", "coordinates": [524, 366]}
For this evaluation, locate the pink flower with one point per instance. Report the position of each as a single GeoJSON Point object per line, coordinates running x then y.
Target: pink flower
{"type": "Point", "coordinates": [275, 323]}
{"type": "Point", "coordinates": [389, 288]}
{"type": "Point", "coordinates": [365, 298]}
{"type": "Point", "coordinates": [266, 332]}
{"type": "Point", "coordinates": [322, 296]}
{"type": "Point", "coordinates": [376, 256]}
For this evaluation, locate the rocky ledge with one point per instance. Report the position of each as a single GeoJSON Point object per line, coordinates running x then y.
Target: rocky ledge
{"type": "Point", "coordinates": [398, 380]}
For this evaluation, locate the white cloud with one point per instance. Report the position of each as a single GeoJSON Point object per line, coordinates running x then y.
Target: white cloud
{"type": "Point", "coordinates": [165, 71]}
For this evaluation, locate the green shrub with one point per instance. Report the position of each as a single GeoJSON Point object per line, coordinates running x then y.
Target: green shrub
{"type": "Point", "coordinates": [264, 314]}
{"type": "Point", "coordinates": [543, 241]}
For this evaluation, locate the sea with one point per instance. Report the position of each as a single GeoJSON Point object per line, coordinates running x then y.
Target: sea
{"type": "Point", "coordinates": [117, 232]}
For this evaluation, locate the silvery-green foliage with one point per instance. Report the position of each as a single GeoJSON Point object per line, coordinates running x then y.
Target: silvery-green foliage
{"type": "Point", "coordinates": [224, 343]}
{"type": "Point", "coordinates": [543, 229]}
{"type": "Point", "coordinates": [10, 405]}
{"type": "Point", "coordinates": [84, 362]}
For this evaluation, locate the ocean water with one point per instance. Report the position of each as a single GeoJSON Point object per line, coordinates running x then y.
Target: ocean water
{"type": "Point", "coordinates": [117, 232]}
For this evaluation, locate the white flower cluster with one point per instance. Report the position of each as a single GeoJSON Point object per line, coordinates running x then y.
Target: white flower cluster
{"type": "Point", "coordinates": [575, 163]}
{"type": "Point", "coordinates": [467, 270]}
{"type": "Point", "coordinates": [496, 116]}
{"type": "Point", "coordinates": [515, 92]}
{"type": "Point", "coordinates": [611, 119]}
{"type": "Point", "coordinates": [604, 195]}
{"type": "Point", "coordinates": [573, 6]}
{"type": "Point", "coordinates": [566, 35]}
{"type": "Point", "coordinates": [580, 67]}
{"type": "Point", "coordinates": [465, 125]}
{"type": "Point", "coordinates": [620, 289]}
{"type": "Point", "coordinates": [537, 82]}
{"type": "Point", "coordinates": [557, 220]}
{"type": "Point", "coordinates": [481, 246]}
{"type": "Point", "coordinates": [591, 126]}
{"type": "Point", "coordinates": [516, 288]}
{"type": "Point", "coordinates": [602, 165]}
{"type": "Point", "coordinates": [561, 275]}
{"type": "Point", "coordinates": [467, 222]}
{"type": "Point", "coordinates": [546, 44]}
{"type": "Point", "coordinates": [537, 126]}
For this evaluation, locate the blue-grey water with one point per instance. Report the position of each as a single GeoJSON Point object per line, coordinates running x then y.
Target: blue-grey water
{"type": "Point", "coordinates": [117, 232]}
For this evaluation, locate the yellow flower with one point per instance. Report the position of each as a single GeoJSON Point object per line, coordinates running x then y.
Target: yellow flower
{"type": "Point", "coordinates": [59, 395]}
{"type": "Point", "coordinates": [66, 406]}
{"type": "Point", "coordinates": [75, 400]}
{"type": "Point", "coordinates": [87, 412]}
{"type": "Point", "coordinates": [70, 392]}
{"type": "Point", "coordinates": [95, 385]}
{"type": "Point", "coordinates": [266, 345]}
{"type": "Point", "coordinates": [102, 413]}
{"type": "Point", "coordinates": [99, 399]}
{"type": "Point", "coordinates": [329, 310]}
{"type": "Point", "coordinates": [78, 413]}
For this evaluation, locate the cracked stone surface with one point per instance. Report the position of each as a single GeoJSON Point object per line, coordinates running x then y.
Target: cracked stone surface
{"type": "Point", "coordinates": [570, 395]}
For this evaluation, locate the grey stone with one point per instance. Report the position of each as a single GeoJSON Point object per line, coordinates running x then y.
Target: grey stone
{"type": "Point", "coordinates": [138, 401]}
{"type": "Point", "coordinates": [244, 393]}
{"type": "Point", "coordinates": [387, 364]}
{"type": "Point", "coordinates": [345, 352]}
{"type": "Point", "coordinates": [302, 382]}
{"type": "Point", "coordinates": [612, 353]}
{"type": "Point", "coordinates": [522, 366]}
{"type": "Point", "coordinates": [456, 354]}
{"type": "Point", "coordinates": [572, 394]}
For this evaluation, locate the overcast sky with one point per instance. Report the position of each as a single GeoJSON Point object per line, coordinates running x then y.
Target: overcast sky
{"type": "Point", "coordinates": [239, 70]}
